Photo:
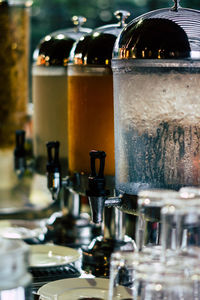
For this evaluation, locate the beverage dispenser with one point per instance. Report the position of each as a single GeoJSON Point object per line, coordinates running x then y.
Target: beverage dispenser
{"type": "Point", "coordinates": [156, 71]}
{"type": "Point", "coordinates": [90, 130]}
{"type": "Point", "coordinates": [49, 77]}
{"type": "Point", "coordinates": [90, 102]}
{"type": "Point", "coordinates": [14, 52]}
{"type": "Point", "coordinates": [68, 226]}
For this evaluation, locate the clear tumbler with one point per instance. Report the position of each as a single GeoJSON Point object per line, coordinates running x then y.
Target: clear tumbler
{"type": "Point", "coordinates": [122, 269]}
{"type": "Point", "coordinates": [148, 230]}
{"type": "Point", "coordinates": [181, 221]}
{"type": "Point", "coordinates": [158, 281]}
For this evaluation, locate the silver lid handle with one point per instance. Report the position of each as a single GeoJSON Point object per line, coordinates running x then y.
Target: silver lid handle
{"type": "Point", "coordinates": [78, 21]}
{"type": "Point", "coordinates": [176, 5]}
{"type": "Point", "coordinates": [122, 15]}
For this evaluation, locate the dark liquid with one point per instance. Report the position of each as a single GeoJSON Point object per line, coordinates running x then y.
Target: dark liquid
{"type": "Point", "coordinates": [168, 158]}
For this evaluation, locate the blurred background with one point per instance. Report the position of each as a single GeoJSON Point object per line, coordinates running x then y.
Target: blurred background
{"type": "Point", "coordinates": [50, 15]}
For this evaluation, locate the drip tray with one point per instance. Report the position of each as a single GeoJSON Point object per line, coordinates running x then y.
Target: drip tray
{"type": "Point", "coordinates": [42, 276]}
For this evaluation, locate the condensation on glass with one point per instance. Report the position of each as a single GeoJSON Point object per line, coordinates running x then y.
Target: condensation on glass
{"type": "Point", "coordinates": [156, 69]}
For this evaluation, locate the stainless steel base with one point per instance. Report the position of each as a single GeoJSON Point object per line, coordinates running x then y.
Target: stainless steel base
{"type": "Point", "coordinates": [96, 257]}
{"type": "Point", "coordinates": [71, 231]}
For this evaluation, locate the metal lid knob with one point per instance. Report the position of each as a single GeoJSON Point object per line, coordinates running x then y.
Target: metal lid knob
{"type": "Point", "coordinates": [176, 5]}
{"type": "Point", "coordinates": [96, 48]}
{"type": "Point", "coordinates": [78, 20]}
{"type": "Point", "coordinates": [122, 15]}
{"type": "Point", "coordinates": [54, 49]}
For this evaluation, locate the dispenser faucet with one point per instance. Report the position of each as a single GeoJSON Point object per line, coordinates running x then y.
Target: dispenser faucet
{"type": "Point", "coordinates": [53, 169]}
{"type": "Point", "coordinates": [97, 193]}
{"type": "Point", "coordinates": [55, 182]}
{"type": "Point", "coordinates": [96, 186]}
{"type": "Point", "coordinates": [20, 154]}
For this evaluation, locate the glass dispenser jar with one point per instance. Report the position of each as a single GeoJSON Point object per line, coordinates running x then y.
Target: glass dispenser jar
{"type": "Point", "coordinates": [49, 77]}
{"type": "Point", "coordinates": [15, 281]}
{"type": "Point", "coordinates": [14, 52]}
{"type": "Point", "coordinates": [156, 70]}
{"type": "Point", "coordinates": [90, 100]}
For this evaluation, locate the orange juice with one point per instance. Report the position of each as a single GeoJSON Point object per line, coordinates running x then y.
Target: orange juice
{"type": "Point", "coordinates": [90, 117]}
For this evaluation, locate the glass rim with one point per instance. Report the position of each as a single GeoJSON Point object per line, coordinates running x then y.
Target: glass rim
{"type": "Point", "coordinates": [167, 274]}
{"type": "Point", "coordinates": [155, 197]}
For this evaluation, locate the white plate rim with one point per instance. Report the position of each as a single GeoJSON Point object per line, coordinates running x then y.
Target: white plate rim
{"type": "Point", "coordinates": [54, 289]}
{"type": "Point", "coordinates": [71, 255]}
{"type": "Point", "coordinates": [35, 228]}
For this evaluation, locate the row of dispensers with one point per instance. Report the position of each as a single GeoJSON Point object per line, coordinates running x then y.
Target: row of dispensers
{"type": "Point", "coordinates": [127, 92]}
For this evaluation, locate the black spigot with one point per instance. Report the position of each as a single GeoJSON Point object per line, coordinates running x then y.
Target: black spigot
{"type": "Point", "coordinates": [20, 153]}
{"type": "Point", "coordinates": [97, 192]}
{"type": "Point", "coordinates": [53, 169]}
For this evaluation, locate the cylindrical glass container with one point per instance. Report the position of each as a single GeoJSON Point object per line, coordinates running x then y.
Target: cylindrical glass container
{"type": "Point", "coordinates": [49, 77]}
{"type": "Point", "coordinates": [148, 229]}
{"type": "Point", "coordinates": [90, 98]}
{"type": "Point", "coordinates": [157, 281]}
{"type": "Point", "coordinates": [156, 70]}
{"type": "Point", "coordinates": [15, 281]}
{"type": "Point", "coordinates": [123, 265]}
{"type": "Point", "coordinates": [90, 116]}
{"type": "Point", "coordinates": [14, 52]}
{"type": "Point", "coordinates": [181, 222]}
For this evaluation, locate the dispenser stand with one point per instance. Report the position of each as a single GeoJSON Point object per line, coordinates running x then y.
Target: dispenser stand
{"type": "Point", "coordinates": [68, 227]}
{"type": "Point", "coordinates": [71, 228]}
{"type": "Point", "coordinates": [96, 257]}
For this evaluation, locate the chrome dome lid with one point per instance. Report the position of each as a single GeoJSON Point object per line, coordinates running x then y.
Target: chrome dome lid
{"type": "Point", "coordinates": [96, 48]}
{"type": "Point", "coordinates": [169, 33]}
{"type": "Point", "coordinates": [54, 48]}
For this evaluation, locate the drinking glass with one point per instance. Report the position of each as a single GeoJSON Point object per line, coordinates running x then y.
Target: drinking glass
{"type": "Point", "coordinates": [181, 221]}
{"type": "Point", "coordinates": [159, 281]}
{"type": "Point", "coordinates": [148, 229]}
{"type": "Point", "coordinates": [122, 268]}
{"type": "Point", "coordinates": [189, 259]}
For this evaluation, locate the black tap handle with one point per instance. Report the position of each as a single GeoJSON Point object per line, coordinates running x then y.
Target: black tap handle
{"type": "Point", "coordinates": [53, 163]}
{"type": "Point", "coordinates": [96, 181]}
{"type": "Point", "coordinates": [53, 169]}
{"type": "Point", "coordinates": [20, 142]}
{"type": "Point", "coordinates": [20, 152]}
{"type": "Point", "coordinates": [94, 155]}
